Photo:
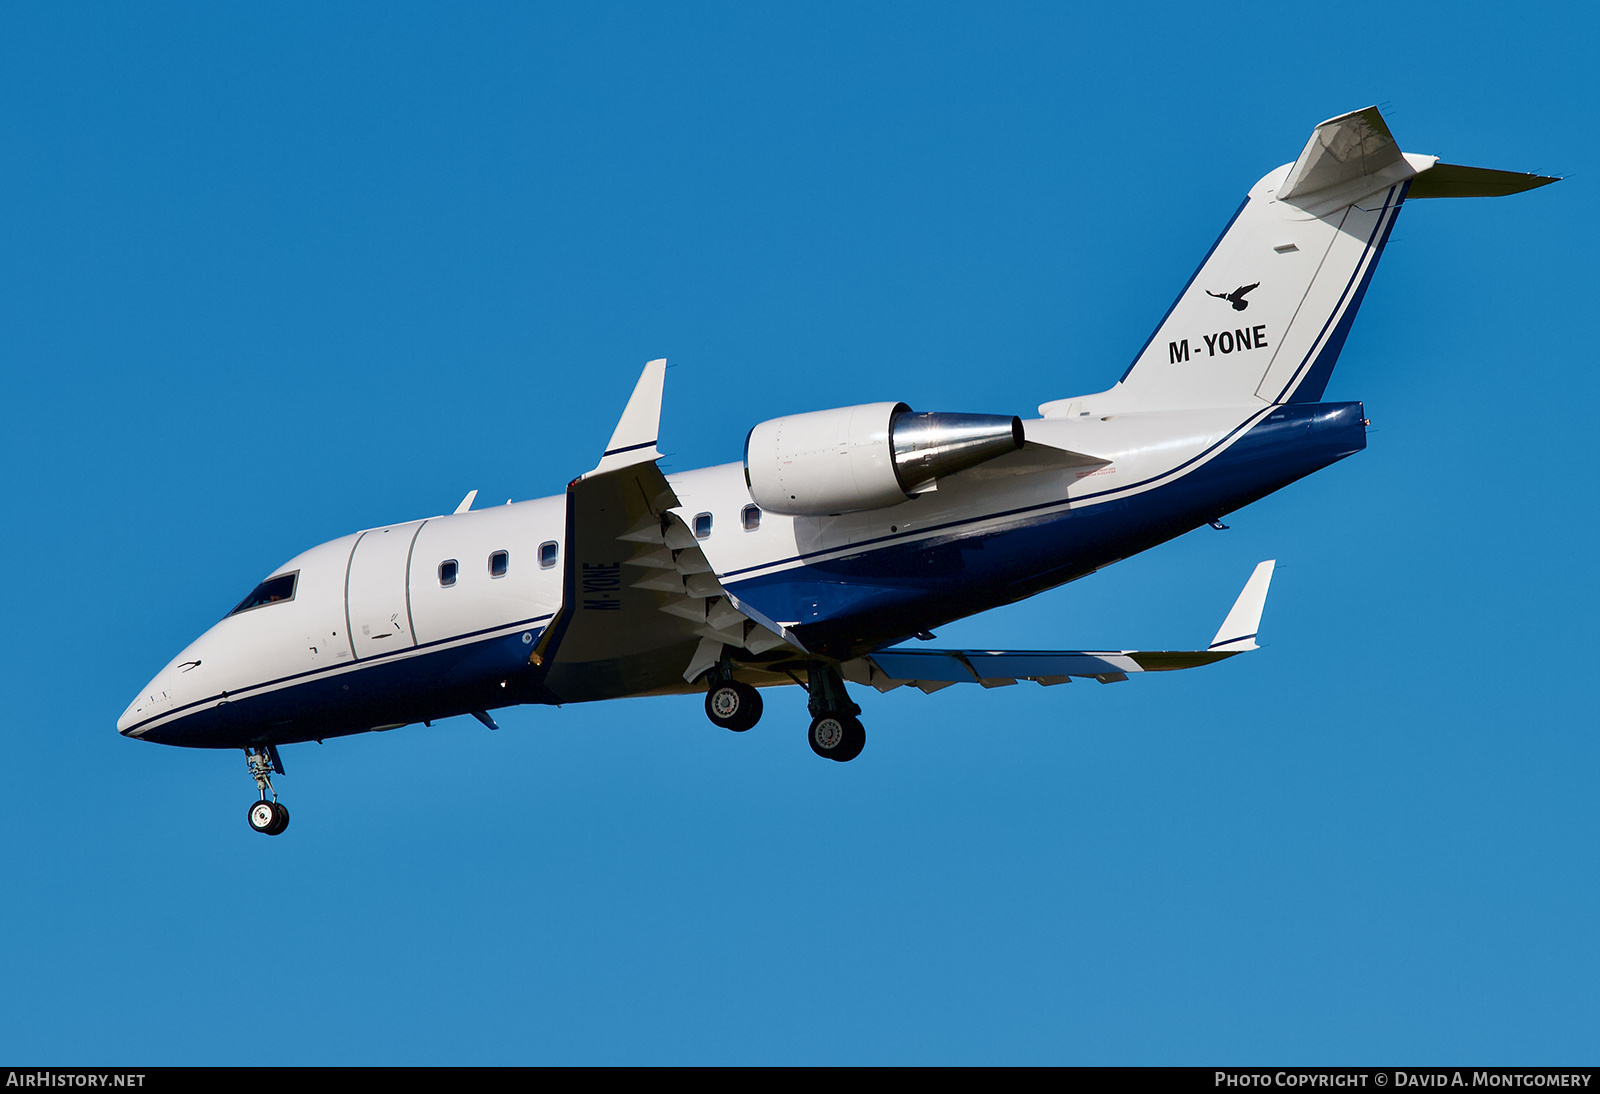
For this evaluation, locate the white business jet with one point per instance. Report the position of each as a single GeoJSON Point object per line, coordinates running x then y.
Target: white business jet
{"type": "Point", "coordinates": [843, 533]}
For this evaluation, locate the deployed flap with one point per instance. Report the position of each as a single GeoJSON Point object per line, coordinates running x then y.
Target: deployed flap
{"type": "Point", "coordinates": [933, 669]}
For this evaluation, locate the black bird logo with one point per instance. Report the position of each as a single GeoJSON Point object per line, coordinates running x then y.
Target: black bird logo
{"type": "Point", "coordinates": [1236, 297]}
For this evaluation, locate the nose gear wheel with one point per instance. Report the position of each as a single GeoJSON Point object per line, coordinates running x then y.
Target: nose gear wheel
{"type": "Point", "coordinates": [268, 818]}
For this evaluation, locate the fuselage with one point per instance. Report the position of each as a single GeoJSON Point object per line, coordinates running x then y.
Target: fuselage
{"type": "Point", "coordinates": [438, 617]}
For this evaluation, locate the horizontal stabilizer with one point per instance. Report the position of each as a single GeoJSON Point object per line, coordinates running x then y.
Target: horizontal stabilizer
{"type": "Point", "coordinates": [1450, 180]}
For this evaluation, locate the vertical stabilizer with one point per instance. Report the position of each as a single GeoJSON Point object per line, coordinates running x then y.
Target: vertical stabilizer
{"type": "Point", "coordinates": [1264, 317]}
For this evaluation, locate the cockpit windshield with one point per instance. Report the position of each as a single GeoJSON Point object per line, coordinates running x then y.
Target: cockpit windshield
{"type": "Point", "coordinates": [271, 591]}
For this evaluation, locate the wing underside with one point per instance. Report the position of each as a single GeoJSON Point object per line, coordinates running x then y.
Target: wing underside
{"type": "Point", "coordinates": [931, 670]}
{"type": "Point", "coordinates": [642, 608]}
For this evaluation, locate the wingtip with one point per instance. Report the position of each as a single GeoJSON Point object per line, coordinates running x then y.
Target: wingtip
{"type": "Point", "coordinates": [634, 439]}
{"type": "Point", "coordinates": [1238, 631]}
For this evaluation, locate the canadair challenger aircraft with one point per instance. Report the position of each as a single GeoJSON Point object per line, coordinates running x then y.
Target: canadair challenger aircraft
{"type": "Point", "coordinates": [843, 533]}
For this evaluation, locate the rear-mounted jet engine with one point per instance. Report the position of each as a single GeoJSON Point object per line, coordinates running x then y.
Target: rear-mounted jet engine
{"type": "Point", "coordinates": [866, 457]}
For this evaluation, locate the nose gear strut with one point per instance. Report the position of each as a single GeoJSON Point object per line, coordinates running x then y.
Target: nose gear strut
{"type": "Point", "coordinates": [268, 817]}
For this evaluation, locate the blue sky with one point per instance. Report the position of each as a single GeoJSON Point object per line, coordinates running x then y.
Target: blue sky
{"type": "Point", "coordinates": [277, 273]}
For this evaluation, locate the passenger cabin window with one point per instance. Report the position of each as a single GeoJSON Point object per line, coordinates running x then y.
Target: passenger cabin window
{"type": "Point", "coordinates": [702, 525]}
{"type": "Point", "coordinates": [751, 515]}
{"type": "Point", "coordinates": [549, 551]}
{"type": "Point", "coordinates": [271, 591]}
{"type": "Point", "coordinates": [447, 572]}
{"type": "Point", "coordinates": [499, 562]}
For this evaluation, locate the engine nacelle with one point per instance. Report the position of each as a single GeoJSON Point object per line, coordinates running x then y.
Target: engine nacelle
{"type": "Point", "coordinates": [865, 457]}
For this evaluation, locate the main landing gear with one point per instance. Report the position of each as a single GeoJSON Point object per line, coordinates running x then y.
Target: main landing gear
{"type": "Point", "coordinates": [837, 736]}
{"type": "Point", "coordinates": [733, 705]}
{"type": "Point", "coordinates": [267, 817]}
{"type": "Point", "coordinates": [836, 733]}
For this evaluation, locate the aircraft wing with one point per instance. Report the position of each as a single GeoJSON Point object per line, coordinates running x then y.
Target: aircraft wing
{"type": "Point", "coordinates": [931, 670]}
{"type": "Point", "coordinates": [641, 606]}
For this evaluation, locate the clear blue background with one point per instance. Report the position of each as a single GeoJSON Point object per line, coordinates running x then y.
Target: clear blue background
{"type": "Point", "coordinates": [274, 273]}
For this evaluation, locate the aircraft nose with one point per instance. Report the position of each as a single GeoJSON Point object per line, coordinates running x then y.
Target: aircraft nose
{"type": "Point", "coordinates": [129, 717]}
{"type": "Point", "coordinates": [151, 701]}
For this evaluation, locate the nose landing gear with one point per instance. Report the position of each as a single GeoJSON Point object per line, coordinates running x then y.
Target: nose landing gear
{"type": "Point", "coordinates": [267, 817]}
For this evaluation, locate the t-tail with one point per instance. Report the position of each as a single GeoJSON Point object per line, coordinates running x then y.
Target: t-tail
{"type": "Point", "coordinates": [1264, 317]}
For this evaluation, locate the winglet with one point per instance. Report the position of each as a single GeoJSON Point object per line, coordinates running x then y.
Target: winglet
{"type": "Point", "coordinates": [466, 502]}
{"type": "Point", "coordinates": [1238, 632]}
{"type": "Point", "coordinates": [634, 439]}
